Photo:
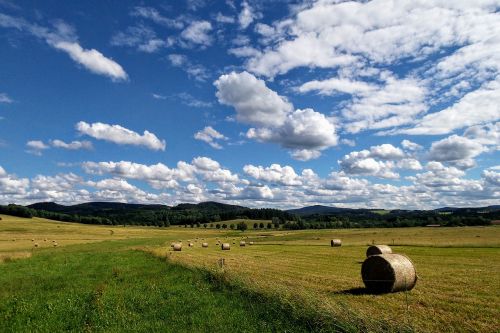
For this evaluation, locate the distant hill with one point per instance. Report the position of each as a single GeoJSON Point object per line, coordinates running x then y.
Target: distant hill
{"type": "Point", "coordinates": [90, 208]}
{"type": "Point", "coordinates": [318, 209]}
{"type": "Point", "coordinates": [492, 208]}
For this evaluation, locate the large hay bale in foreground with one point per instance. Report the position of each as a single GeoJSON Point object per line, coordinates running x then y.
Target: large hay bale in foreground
{"type": "Point", "coordinates": [225, 246]}
{"type": "Point", "coordinates": [204, 244]}
{"type": "Point", "coordinates": [177, 247]}
{"type": "Point", "coordinates": [378, 249]}
{"type": "Point", "coordinates": [242, 243]}
{"type": "Point", "coordinates": [335, 242]}
{"type": "Point", "coordinates": [385, 273]}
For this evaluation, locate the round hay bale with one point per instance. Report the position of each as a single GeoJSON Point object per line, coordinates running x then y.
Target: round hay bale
{"type": "Point", "coordinates": [55, 244]}
{"type": "Point", "coordinates": [242, 243]}
{"type": "Point", "coordinates": [32, 239]}
{"type": "Point", "coordinates": [36, 244]}
{"type": "Point", "coordinates": [386, 273]}
{"type": "Point", "coordinates": [251, 243]}
{"type": "Point", "coordinates": [204, 244]}
{"type": "Point", "coordinates": [335, 242]}
{"type": "Point", "coordinates": [378, 249]}
{"type": "Point", "coordinates": [190, 244]}
{"type": "Point", "coordinates": [177, 247]}
{"type": "Point", "coordinates": [225, 246]}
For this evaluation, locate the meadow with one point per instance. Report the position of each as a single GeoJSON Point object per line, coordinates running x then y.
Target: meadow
{"type": "Point", "coordinates": [287, 280]}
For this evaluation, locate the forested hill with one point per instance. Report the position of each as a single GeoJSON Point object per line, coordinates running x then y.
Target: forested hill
{"type": "Point", "coordinates": [114, 213]}
{"type": "Point", "coordinates": [207, 213]}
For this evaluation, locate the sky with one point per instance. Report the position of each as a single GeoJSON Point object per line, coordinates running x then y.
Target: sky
{"type": "Point", "coordinates": [369, 104]}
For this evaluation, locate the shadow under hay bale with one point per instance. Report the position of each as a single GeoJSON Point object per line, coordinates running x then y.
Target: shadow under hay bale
{"type": "Point", "coordinates": [386, 273]}
{"type": "Point", "coordinates": [335, 242]}
{"type": "Point", "coordinates": [225, 246]}
{"type": "Point", "coordinates": [378, 249]}
{"type": "Point", "coordinates": [177, 247]}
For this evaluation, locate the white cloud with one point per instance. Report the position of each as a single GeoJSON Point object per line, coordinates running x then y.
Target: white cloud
{"type": "Point", "coordinates": [155, 16]}
{"type": "Point", "coordinates": [73, 145]}
{"type": "Point", "coordinates": [477, 107]}
{"type": "Point", "coordinates": [210, 136]}
{"type": "Point", "coordinates": [140, 37]}
{"type": "Point", "coordinates": [36, 147]}
{"type": "Point", "coordinates": [305, 131]}
{"type": "Point", "coordinates": [409, 145]}
{"type": "Point", "coordinates": [194, 71]}
{"type": "Point", "coordinates": [275, 174]}
{"type": "Point", "coordinates": [454, 148]}
{"type": "Point", "coordinates": [386, 151]}
{"type": "Point", "coordinates": [254, 103]}
{"type": "Point", "coordinates": [337, 85]}
{"type": "Point", "coordinates": [198, 33]}
{"type": "Point", "coordinates": [4, 98]}
{"type": "Point", "coordinates": [221, 18]}
{"type": "Point", "coordinates": [247, 15]}
{"type": "Point", "coordinates": [63, 38]}
{"type": "Point", "coordinates": [120, 135]}
{"type": "Point", "coordinates": [93, 60]}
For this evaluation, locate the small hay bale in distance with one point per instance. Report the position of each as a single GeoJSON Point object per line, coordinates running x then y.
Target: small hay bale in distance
{"type": "Point", "coordinates": [242, 243]}
{"type": "Point", "coordinates": [190, 244]}
{"type": "Point", "coordinates": [388, 273]}
{"type": "Point", "coordinates": [177, 247]}
{"type": "Point", "coordinates": [36, 244]}
{"type": "Point", "coordinates": [204, 244]}
{"type": "Point", "coordinates": [335, 242]}
{"type": "Point", "coordinates": [55, 244]}
{"type": "Point", "coordinates": [378, 249]}
{"type": "Point", "coordinates": [250, 243]}
{"type": "Point", "coordinates": [225, 247]}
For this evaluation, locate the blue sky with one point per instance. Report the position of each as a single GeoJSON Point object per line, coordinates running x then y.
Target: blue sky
{"type": "Point", "coordinates": [260, 103]}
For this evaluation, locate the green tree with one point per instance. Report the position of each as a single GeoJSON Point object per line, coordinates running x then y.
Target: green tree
{"type": "Point", "coordinates": [255, 225]}
{"type": "Point", "coordinates": [242, 226]}
{"type": "Point", "coordinates": [261, 225]}
{"type": "Point", "coordinates": [231, 226]}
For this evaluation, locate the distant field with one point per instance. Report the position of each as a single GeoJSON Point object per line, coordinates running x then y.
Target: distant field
{"type": "Point", "coordinates": [458, 269]}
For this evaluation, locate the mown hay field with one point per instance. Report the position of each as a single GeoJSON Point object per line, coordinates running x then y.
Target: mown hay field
{"type": "Point", "coordinates": [458, 268]}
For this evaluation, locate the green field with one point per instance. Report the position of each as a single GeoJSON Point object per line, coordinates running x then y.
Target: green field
{"type": "Point", "coordinates": [114, 279]}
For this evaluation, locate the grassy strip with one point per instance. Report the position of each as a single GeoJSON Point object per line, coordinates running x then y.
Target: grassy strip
{"type": "Point", "coordinates": [105, 287]}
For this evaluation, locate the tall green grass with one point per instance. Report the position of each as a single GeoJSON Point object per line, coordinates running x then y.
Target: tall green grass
{"type": "Point", "coordinates": [106, 287]}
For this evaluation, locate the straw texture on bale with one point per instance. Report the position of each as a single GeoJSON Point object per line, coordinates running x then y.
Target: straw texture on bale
{"type": "Point", "coordinates": [378, 249]}
{"type": "Point", "coordinates": [204, 244]}
{"type": "Point", "coordinates": [177, 247]}
{"type": "Point", "coordinates": [225, 246]}
{"type": "Point", "coordinates": [386, 273]}
{"type": "Point", "coordinates": [335, 242]}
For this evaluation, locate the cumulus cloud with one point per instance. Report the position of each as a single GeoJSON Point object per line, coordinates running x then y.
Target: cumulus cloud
{"type": "Point", "coordinates": [63, 38]}
{"type": "Point", "coordinates": [120, 135]}
{"type": "Point", "coordinates": [454, 148]}
{"type": "Point", "coordinates": [253, 101]}
{"type": "Point", "coordinates": [36, 147]}
{"type": "Point", "coordinates": [379, 161]}
{"type": "Point", "coordinates": [210, 136]}
{"type": "Point", "coordinates": [275, 174]}
{"type": "Point", "coordinates": [306, 132]}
